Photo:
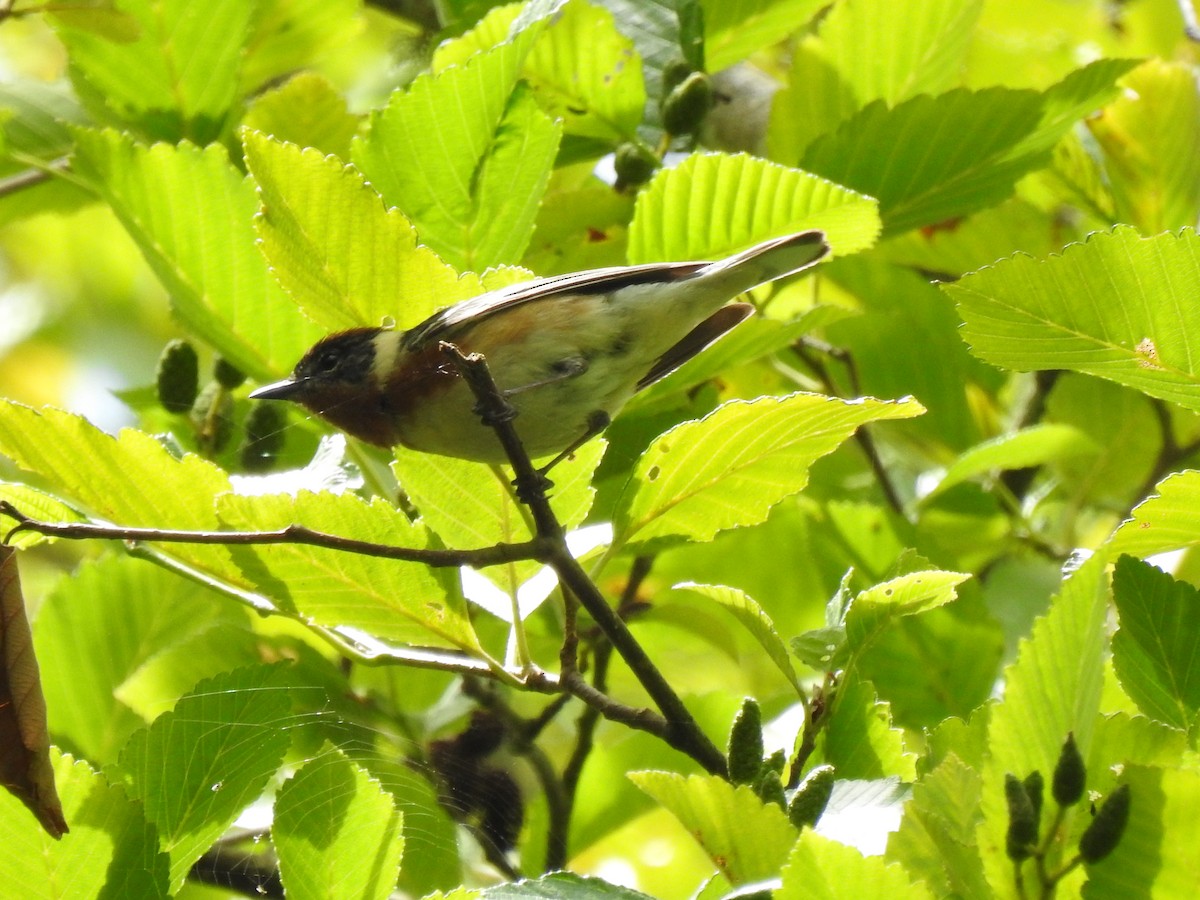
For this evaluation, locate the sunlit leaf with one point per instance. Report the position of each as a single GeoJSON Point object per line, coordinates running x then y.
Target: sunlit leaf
{"type": "Point", "coordinates": [860, 740]}
{"type": "Point", "coordinates": [1118, 306]}
{"type": "Point", "coordinates": [713, 204]}
{"type": "Point", "coordinates": [732, 466]}
{"type": "Point", "coordinates": [556, 886]}
{"type": "Point", "coordinates": [1065, 649]}
{"type": "Point", "coordinates": [345, 259]}
{"type": "Point", "coordinates": [586, 73]}
{"type": "Point", "coordinates": [746, 838]}
{"type": "Point", "coordinates": [753, 618]}
{"type": "Point", "coordinates": [1148, 135]}
{"type": "Point", "coordinates": [305, 110]}
{"type": "Point", "coordinates": [893, 51]}
{"type": "Point", "coordinates": [1033, 446]}
{"type": "Point", "coordinates": [821, 869]}
{"type": "Point", "coordinates": [733, 29]}
{"type": "Point", "coordinates": [112, 848]}
{"type": "Point", "coordinates": [470, 182]}
{"type": "Point", "coordinates": [397, 601]}
{"type": "Point", "coordinates": [133, 480]}
{"type": "Point", "coordinates": [469, 505]}
{"type": "Point", "coordinates": [1151, 858]}
{"type": "Point", "coordinates": [179, 78]}
{"type": "Point", "coordinates": [1168, 520]}
{"type": "Point", "coordinates": [190, 212]}
{"type": "Point", "coordinates": [936, 838]}
{"type": "Point", "coordinates": [89, 701]}
{"type": "Point", "coordinates": [198, 766]}
{"type": "Point", "coordinates": [338, 834]}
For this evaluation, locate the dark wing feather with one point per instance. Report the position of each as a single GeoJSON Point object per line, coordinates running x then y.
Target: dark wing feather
{"type": "Point", "coordinates": [724, 319]}
{"type": "Point", "coordinates": [443, 324]}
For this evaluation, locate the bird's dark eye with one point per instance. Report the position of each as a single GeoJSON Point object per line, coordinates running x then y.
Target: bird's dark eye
{"type": "Point", "coordinates": [327, 363]}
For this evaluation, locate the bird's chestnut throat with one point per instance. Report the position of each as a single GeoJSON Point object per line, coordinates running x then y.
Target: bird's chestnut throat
{"type": "Point", "coordinates": [378, 410]}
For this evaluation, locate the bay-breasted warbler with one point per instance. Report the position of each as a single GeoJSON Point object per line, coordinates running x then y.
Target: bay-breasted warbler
{"type": "Point", "coordinates": [568, 351]}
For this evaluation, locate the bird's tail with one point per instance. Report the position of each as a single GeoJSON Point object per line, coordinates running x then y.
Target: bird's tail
{"type": "Point", "coordinates": [765, 262]}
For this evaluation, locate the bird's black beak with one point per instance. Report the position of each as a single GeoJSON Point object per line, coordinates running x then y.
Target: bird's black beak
{"type": "Point", "coordinates": [288, 389]}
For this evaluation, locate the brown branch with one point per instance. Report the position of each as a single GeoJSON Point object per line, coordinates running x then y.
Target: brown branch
{"type": "Point", "coordinates": [679, 728]}
{"type": "Point", "coordinates": [292, 534]}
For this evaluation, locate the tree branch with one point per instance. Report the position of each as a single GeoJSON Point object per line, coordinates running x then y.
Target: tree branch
{"type": "Point", "coordinates": [681, 730]}
{"type": "Point", "coordinates": [293, 534]}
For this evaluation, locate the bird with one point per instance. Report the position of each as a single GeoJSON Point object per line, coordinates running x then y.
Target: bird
{"type": "Point", "coordinates": [568, 352]}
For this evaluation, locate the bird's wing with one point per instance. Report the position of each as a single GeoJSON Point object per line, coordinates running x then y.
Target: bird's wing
{"type": "Point", "coordinates": [444, 324]}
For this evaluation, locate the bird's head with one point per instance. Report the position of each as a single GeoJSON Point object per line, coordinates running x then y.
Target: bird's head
{"type": "Point", "coordinates": [337, 380]}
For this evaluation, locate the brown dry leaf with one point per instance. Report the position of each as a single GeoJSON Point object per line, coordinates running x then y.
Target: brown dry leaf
{"type": "Point", "coordinates": [25, 768]}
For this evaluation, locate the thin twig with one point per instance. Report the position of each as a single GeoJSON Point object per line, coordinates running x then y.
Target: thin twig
{"type": "Point", "coordinates": [862, 435]}
{"type": "Point", "coordinates": [585, 727]}
{"type": "Point", "coordinates": [34, 175]}
{"type": "Point", "coordinates": [292, 534]}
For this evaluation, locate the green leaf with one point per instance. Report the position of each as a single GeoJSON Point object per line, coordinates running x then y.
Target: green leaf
{"type": "Point", "coordinates": [130, 478]}
{"type": "Point", "coordinates": [859, 740]}
{"type": "Point", "coordinates": [734, 29]}
{"type": "Point", "coordinates": [663, 32]}
{"type": "Point", "coordinates": [1168, 520]}
{"type": "Point", "coordinates": [1122, 423]}
{"type": "Point", "coordinates": [133, 480]}
{"type": "Point", "coordinates": [746, 839]}
{"type": "Point", "coordinates": [903, 322]}
{"type": "Point", "coordinates": [179, 78]}
{"type": "Point", "coordinates": [754, 339]}
{"type": "Point", "coordinates": [345, 259]}
{"type": "Point", "coordinates": [588, 75]}
{"type": "Point", "coordinates": [305, 110]}
{"type": "Point", "coordinates": [398, 601]}
{"type": "Point", "coordinates": [1147, 136]}
{"type": "Point", "coordinates": [294, 35]}
{"type": "Point", "coordinates": [36, 118]}
{"type": "Point", "coordinates": [894, 51]}
{"type": "Point", "coordinates": [38, 505]}
{"type": "Point", "coordinates": [337, 833]}
{"type": "Point", "coordinates": [190, 211]}
{"type": "Point", "coordinates": [930, 159]}
{"type": "Point", "coordinates": [936, 838]}
{"type": "Point", "coordinates": [1032, 446]}
{"type": "Point", "coordinates": [752, 617]}
{"type": "Point", "coordinates": [99, 16]}
{"type": "Point", "coordinates": [469, 181]}
{"type": "Point", "coordinates": [821, 869]}
{"type": "Point", "coordinates": [1156, 651]}
{"type": "Point", "coordinates": [712, 204]}
{"type": "Point", "coordinates": [469, 505]}
{"type": "Point", "coordinates": [112, 851]}
{"type": "Point", "coordinates": [93, 660]}
{"type": "Point", "coordinates": [558, 886]}
{"type": "Point", "coordinates": [493, 29]}
{"type": "Point", "coordinates": [1062, 312]}
{"type": "Point", "coordinates": [942, 663]}
{"type": "Point", "coordinates": [732, 466]}
{"type": "Point", "coordinates": [197, 767]}
{"type": "Point", "coordinates": [1053, 688]}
